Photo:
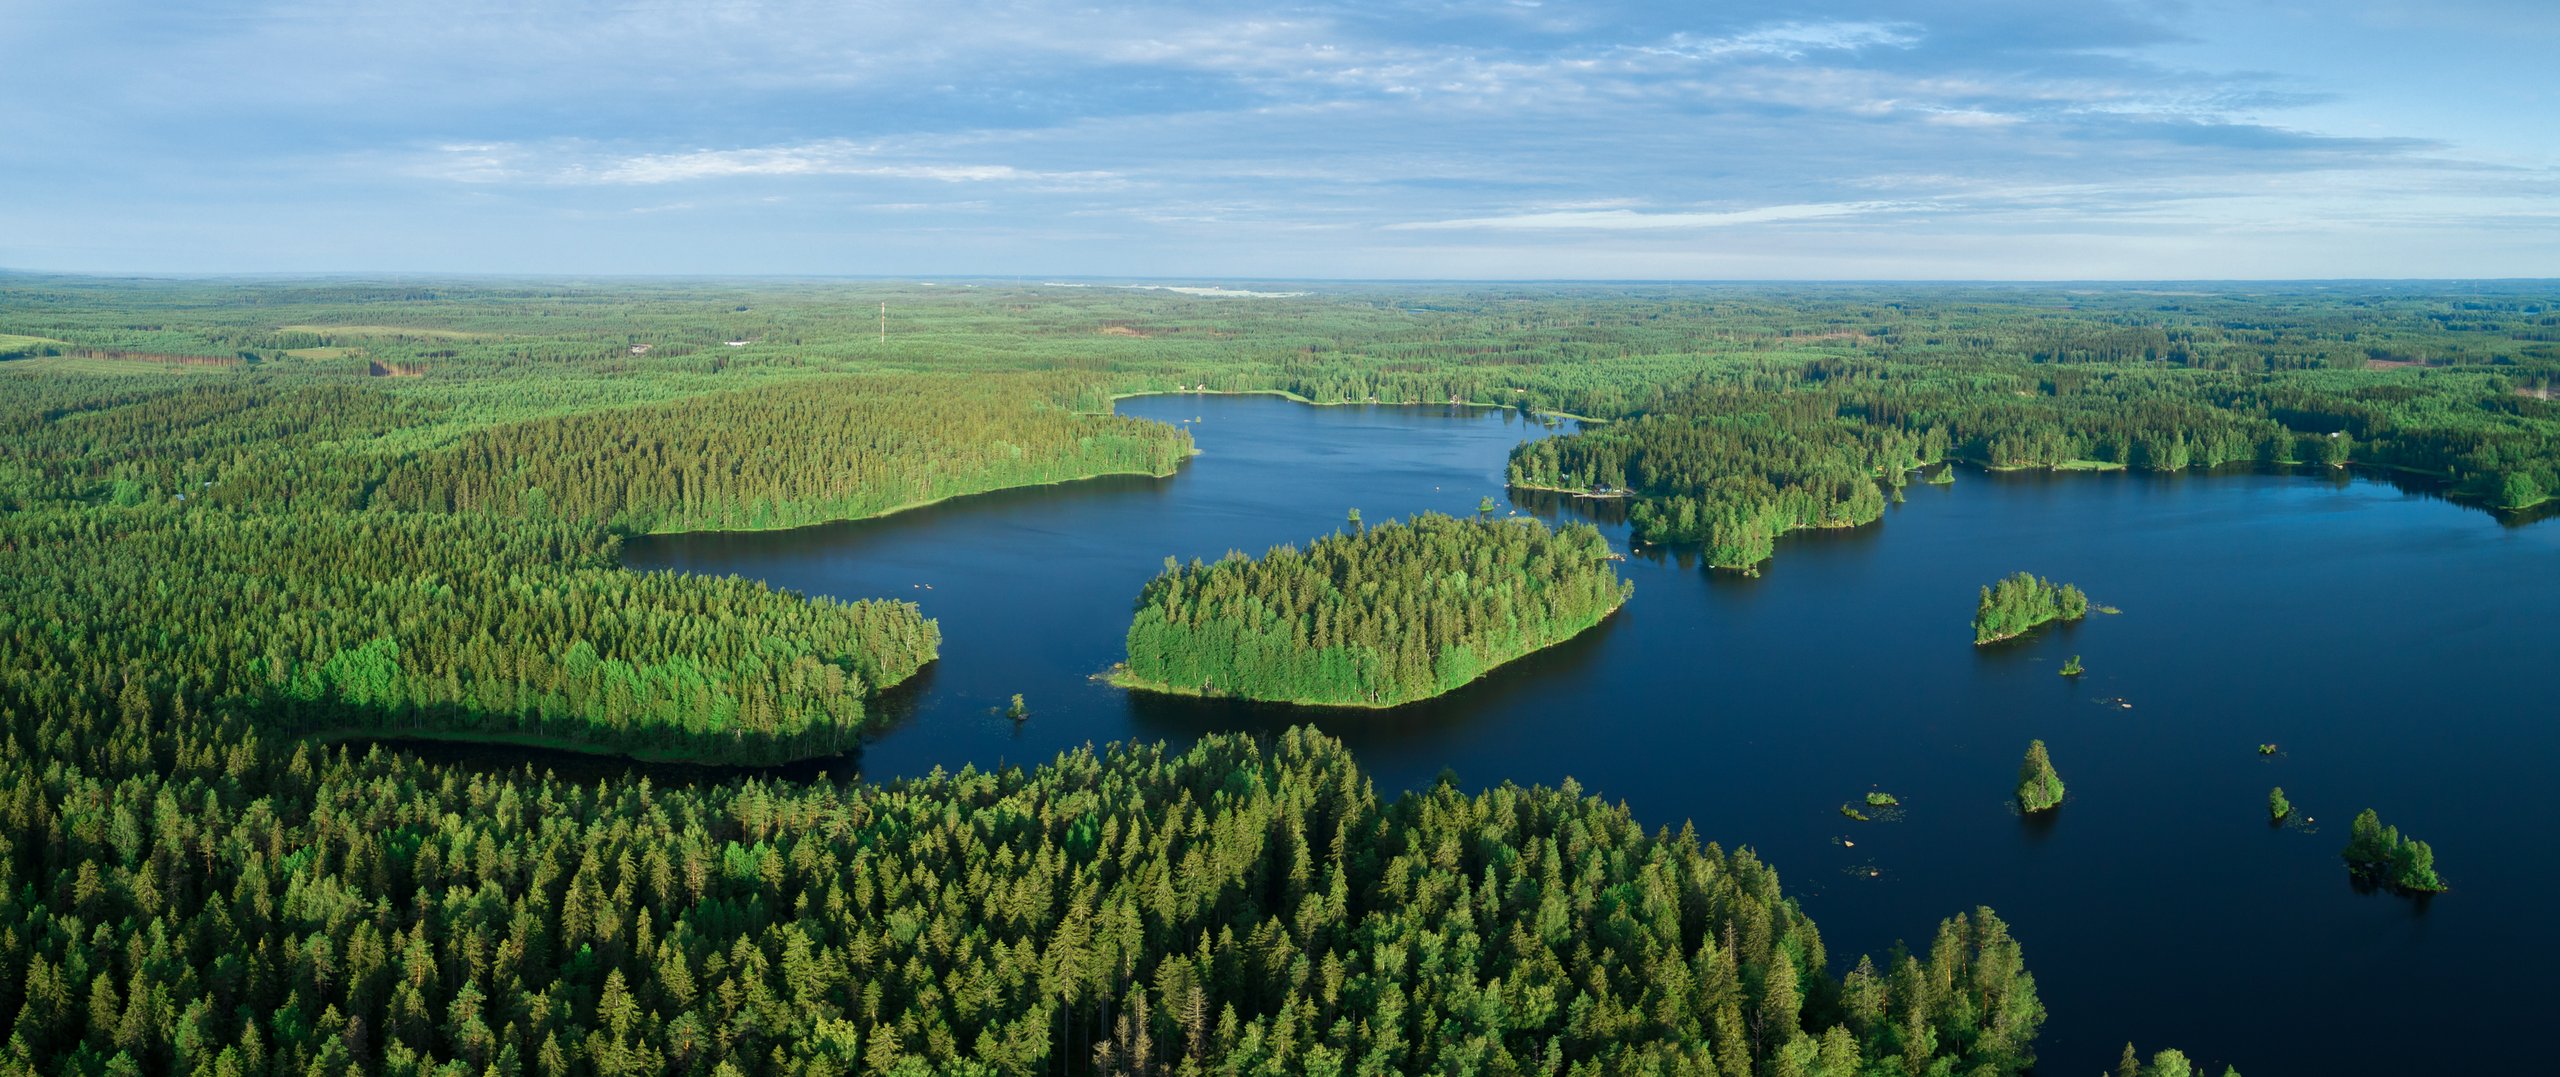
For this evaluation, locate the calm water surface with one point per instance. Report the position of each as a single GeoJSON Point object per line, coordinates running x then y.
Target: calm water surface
{"type": "Point", "coordinates": [2394, 645]}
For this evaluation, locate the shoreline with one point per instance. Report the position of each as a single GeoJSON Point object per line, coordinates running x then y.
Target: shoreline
{"type": "Point", "coordinates": [2023, 632]}
{"type": "Point", "coordinates": [332, 735]}
{"type": "Point", "coordinates": [1285, 394]}
{"type": "Point", "coordinates": [336, 735]}
{"type": "Point", "coordinates": [912, 505]}
{"type": "Point", "coordinates": [1620, 494]}
{"type": "Point", "coordinates": [1118, 676]}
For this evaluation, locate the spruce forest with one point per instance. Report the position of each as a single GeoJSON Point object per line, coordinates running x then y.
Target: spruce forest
{"type": "Point", "coordinates": [1377, 617]}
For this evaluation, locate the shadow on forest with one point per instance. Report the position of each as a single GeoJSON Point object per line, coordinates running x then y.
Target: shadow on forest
{"type": "Point", "coordinates": [445, 735]}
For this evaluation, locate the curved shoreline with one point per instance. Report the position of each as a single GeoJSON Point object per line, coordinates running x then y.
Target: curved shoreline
{"type": "Point", "coordinates": [1118, 676]}
{"type": "Point", "coordinates": [911, 505]}
{"type": "Point", "coordinates": [1285, 394]}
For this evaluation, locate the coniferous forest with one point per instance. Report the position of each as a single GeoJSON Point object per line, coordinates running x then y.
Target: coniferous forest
{"type": "Point", "coordinates": [191, 896]}
{"type": "Point", "coordinates": [1372, 618]}
{"type": "Point", "coordinates": [240, 521]}
{"type": "Point", "coordinates": [411, 624]}
{"type": "Point", "coordinates": [2019, 603]}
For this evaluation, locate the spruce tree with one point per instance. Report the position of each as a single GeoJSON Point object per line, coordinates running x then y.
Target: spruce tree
{"type": "Point", "coordinates": [2039, 788]}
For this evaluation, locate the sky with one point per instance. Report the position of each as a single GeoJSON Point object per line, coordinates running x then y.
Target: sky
{"type": "Point", "coordinates": [1528, 139]}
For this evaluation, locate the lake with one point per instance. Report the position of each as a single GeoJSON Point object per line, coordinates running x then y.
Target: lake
{"type": "Point", "coordinates": [2392, 644]}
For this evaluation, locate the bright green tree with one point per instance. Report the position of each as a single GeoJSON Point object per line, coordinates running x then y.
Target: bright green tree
{"type": "Point", "coordinates": [2039, 788]}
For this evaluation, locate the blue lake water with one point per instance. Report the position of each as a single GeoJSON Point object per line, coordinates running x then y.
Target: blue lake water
{"type": "Point", "coordinates": [2393, 645]}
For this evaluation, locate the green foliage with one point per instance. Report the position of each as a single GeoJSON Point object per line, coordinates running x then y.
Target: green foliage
{"type": "Point", "coordinates": [413, 624]}
{"type": "Point", "coordinates": [1378, 617]}
{"type": "Point", "coordinates": [1755, 410]}
{"type": "Point", "coordinates": [2278, 808]}
{"type": "Point", "coordinates": [1730, 477]}
{"type": "Point", "coordinates": [2039, 788]}
{"type": "Point", "coordinates": [1853, 813]}
{"type": "Point", "coordinates": [2380, 855]}
{"type": "Point", "coordinates": [2071, 668]}
{"type": "Point", "coordinates": [229, 509]}
{"type": "Point", "coordinates": [831, 448]}
{"type": "Point", "coordinates": [18, 347]}
{"type": "Point", "coordinates": [2167, 1063]}
{"type": "Point", "coordinates": [180, 892]}
{"type": "Point", "coordinates": [1881, 800]}
{"type": "Point", "coordinates": [2021, 602]}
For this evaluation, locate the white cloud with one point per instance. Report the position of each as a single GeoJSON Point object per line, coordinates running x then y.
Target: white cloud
{"type": "Point", "coordinates": [1627, 220]}
{"type": "Point", "coordinates": [1794, 40]}
{"type": "Point", "coordinates": [994, 134]}
{"type": "Point", "coordinates": [488, 163]}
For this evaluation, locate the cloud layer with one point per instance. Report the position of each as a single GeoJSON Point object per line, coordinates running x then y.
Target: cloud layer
{"type": "Point", "coordinates": [1839, 138]}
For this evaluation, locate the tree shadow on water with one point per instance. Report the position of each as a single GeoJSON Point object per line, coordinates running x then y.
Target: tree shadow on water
{"type": "Point", "coordinates": [1513, 685]}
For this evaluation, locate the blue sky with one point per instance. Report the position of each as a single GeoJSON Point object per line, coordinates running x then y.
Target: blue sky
{"type": "Point", "coordinates": [1983, 139]}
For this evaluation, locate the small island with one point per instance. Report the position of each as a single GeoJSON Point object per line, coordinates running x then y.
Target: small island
{"type": "Point", "coordinates": [1376, 617]}
{"type": "Point", "coordinates": [2013, 606]}
{"type": "Point", "coordinates": [2379, 855]}
{"type": "Point", "coordinates": [2039, 787]}
{"type": "Point", "coordinates": [2278, 808]}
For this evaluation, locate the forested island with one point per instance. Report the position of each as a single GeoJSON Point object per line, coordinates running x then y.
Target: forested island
{"type": "Point", "coordinates": [2039, 785]}
{"type": "Point", "coordinates": [1372, 617]}
{"type": "Point", "coordinates": [2014, 606]}
{"type": "Point", "coordinates": [2380, 856]}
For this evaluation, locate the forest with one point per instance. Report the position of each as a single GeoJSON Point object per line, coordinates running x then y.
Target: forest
{"type": "Point", "coordinates": [2380, 856]}
{"type": "Point", "coordinates": [1373, 617]}
{"type": "Point", "coordinates": [182, 891]}
{"type": "Point", "coordinates": [837, 448]}
{"type": "Point", "coordinates": [2016, 605]}
{"type": "Point", "coordinates": [240, 519]}
{"type": "Point", "coordinates": [411, 624]}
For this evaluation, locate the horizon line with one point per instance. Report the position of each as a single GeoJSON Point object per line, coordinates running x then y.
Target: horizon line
{"type": "Point", "coordinates": [140, 275]}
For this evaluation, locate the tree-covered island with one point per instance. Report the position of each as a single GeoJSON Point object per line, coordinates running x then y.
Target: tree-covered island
{"type": "Point", "coordinates": [2380, 855]}
{"type": "Point", "coordinates": [2011, 607]}
{"type": "Point", "coordinates": [1370, 618]}
{"type": "Point", "coordinates": [2039, 785]}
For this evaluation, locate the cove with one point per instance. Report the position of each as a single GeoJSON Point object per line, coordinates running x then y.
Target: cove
{"type": "Point", "coordinates": [2386, 640]}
